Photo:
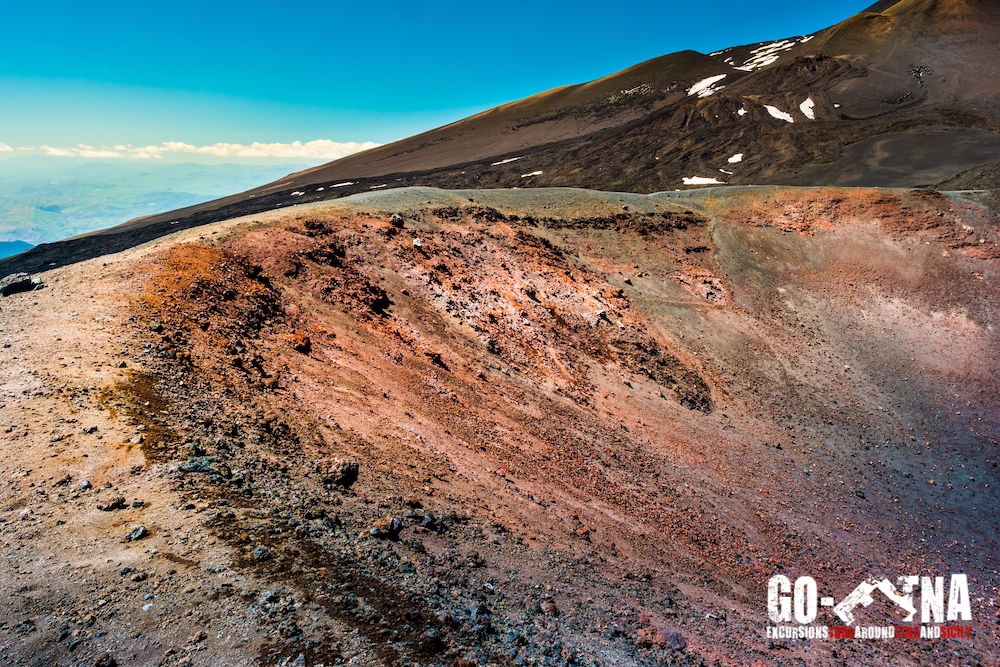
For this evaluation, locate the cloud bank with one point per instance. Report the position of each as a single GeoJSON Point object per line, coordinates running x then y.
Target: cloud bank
{"type": "Point", "coordinates": [4, 147]}
{"type": "Point", "coordinates": [319, 149]}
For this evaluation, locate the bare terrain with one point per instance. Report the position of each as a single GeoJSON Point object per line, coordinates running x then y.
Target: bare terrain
{"type": "Point", "coordinates": [587, 428]}
{"type": "Point", "coordinates": [348, 418]}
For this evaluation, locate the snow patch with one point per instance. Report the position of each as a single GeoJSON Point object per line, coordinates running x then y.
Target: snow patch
{"type": "Point", "coordinates": [736, 158]}
{"type": "Point", "coordinates": [743, 111]}
{"type": "Point", "coordinates": [779, 114]}
{"type": "Point", "coordinates": [320, 189]}
{"type": "Point", "coordinates": [297, 194]}
{"type": "Point", "coordinates": [728, 173]}
{"type": "Point", "coordinates": [378, 187]}
{"type": "Point", "coordinates": [707, 87]}
{"type": "Point", "coordinates": [342, 185]}
{"type": "Point", "coordinates": [534, 173]}
{"type": "Point", "coordinates": [701, 180]}
{"type": "Point", "coordinates": [507, 161]}
{"type": "Point", "coordinates": [807, 108]}
{"type": "Point", "coordinates": [768, 54]}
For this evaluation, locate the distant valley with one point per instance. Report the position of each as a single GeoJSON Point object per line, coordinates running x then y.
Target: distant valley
{"type": "Point", "coordinates": [8, 248]}
{"type": "Point", "coordinates": [45, 199]}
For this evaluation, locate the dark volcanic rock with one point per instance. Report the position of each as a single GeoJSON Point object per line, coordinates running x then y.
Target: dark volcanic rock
{"type": "Point", "coordinates": [137, 533]}
{"type": "Point", "coordinates": [202, 464]}
{"type": "Point", "coordinates": [343, 473]}
{"type": "Point", "coordinates": [16, 282]}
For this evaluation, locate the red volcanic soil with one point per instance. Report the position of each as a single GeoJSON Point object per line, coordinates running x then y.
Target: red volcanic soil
{"type": "Point", "coordinates": [587, 428]}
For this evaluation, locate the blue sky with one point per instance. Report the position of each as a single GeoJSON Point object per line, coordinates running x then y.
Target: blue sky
{"type": "Point", "coordinates": [107, 73]}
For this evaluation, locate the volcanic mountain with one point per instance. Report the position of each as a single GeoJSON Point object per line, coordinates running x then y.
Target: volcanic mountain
{"type": "Point", "coordinates": [537, 425]}
{"type": "Point", "coordinates": [901, 95]}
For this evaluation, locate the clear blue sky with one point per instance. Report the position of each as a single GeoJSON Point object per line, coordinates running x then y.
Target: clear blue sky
{"type": "Point", "coordinates": [108, 72]}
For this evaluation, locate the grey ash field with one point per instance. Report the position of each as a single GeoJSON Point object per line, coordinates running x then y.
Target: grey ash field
{"type": "Point", "coordinates": [535, 426]}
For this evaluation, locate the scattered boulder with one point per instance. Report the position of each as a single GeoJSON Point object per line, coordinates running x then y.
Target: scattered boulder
{"type": "Point", "coordinates": [315, 512]}
{"type": "Point", "coordinates": [549, 607]}
{"type": "Point", "coordinates": [447, 618]}
{"type": "Point", "coordinates": [261, 554]}
{"type": "Point", "coordinates": [106, 660]}
{"type": "Point", "coordinates": [15, 283]}
{"type": "Point", "coordinates": [137, 533]}
{"type": "Point", "coordinates": [674, 638]}
{"type": "Point", "coordinates": [397, 221]}
{"type": "Point", "coordinates": [112, 504]}
{"type": "Point", "coordinates": [653, 636]}
{"type": "Point", "coordinates": [301, 343]}
{"type": "Point", "coordinates": [342, 473]}
{"type": "Point", "coordinates": [209, 465]}
{"type": "Point", "coordinates": [387, 527]}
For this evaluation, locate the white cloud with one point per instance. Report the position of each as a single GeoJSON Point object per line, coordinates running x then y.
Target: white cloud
{"type": "Point", "coordinates": [58, 152]}
{"type": "Point", "coordinates": [5, 148]}
{"type": "Point", "coordinates": [93, 152]}
{"type": "Point", "coordinates": [319, 149]}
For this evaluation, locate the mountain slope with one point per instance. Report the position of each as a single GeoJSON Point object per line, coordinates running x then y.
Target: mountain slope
{"type": "Point", "coordinates": [900, 97]}
{"type": "Point", "coordinates": [587, 427]}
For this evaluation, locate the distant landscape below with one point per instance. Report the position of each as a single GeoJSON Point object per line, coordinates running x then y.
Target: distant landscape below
{"type": "Point", "coordinates": [8, 248]}
{"type": "Point", "coordinates": [45, 199]}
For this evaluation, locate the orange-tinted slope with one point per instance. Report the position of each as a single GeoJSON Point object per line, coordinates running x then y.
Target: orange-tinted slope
{"type": "Point", "coordinates": [645, 407]}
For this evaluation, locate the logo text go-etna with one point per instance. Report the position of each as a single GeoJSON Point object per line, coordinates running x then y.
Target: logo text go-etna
{"type": "Point", "coordinates": [793, 609]}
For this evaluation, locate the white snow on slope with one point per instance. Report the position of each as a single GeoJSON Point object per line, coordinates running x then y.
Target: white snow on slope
{"type": "Point", "coordinates": [807, 108]}
{"type": "Point", "coordinates": [534, 173]}
{"type": "Point", "coordinates": [779, 114]}
{"type": "Point", "coordinates": [707, 87]}
{"type": "Point", "coordinates": [743, 111]}
{"type": "Point", "coordinates": [768, 54]}
{"type": "Point", "coordinates": [736, 158]}
{"type": "Point", "coordinates": [341, 185]}
{"type": "Point", "coordinates": [701, 180]}
{"type": "Point", "coordinates": [508, 160]}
